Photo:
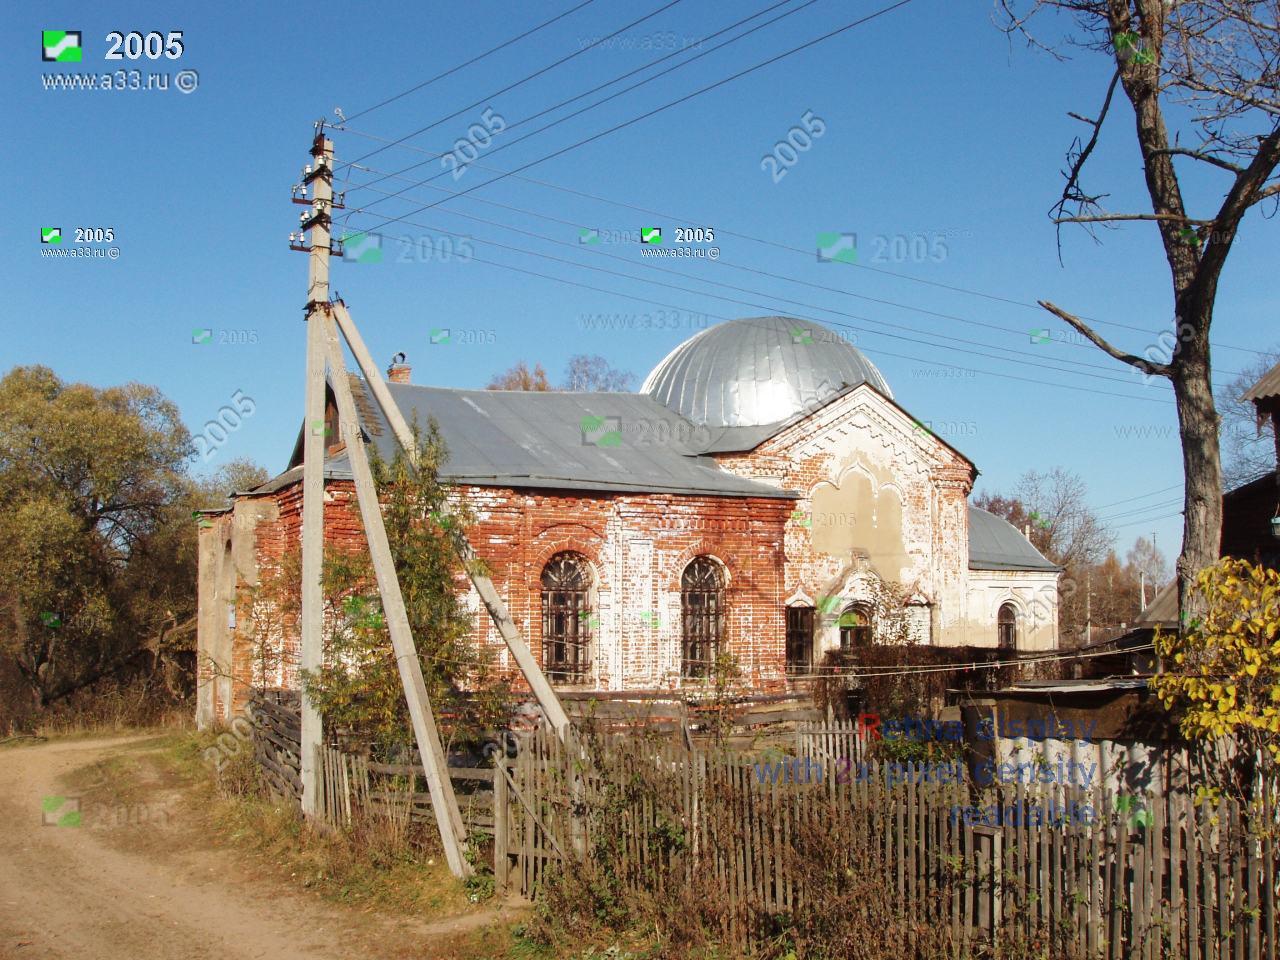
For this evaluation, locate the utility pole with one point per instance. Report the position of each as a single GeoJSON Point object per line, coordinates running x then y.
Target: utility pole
{"type": "Point", "coordinates": [318, 177]}
{"type": "Point", "coordinates": [1088, 606]}
{"type": "Point", "coordinates": [322, 348]}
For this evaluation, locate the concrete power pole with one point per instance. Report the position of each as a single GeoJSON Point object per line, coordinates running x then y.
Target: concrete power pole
{"type": "Point", "coordinates": [318, 176]}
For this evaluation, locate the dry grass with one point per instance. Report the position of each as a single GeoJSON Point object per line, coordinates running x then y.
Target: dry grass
{"type": "Point", "coordinates": [389, 865]}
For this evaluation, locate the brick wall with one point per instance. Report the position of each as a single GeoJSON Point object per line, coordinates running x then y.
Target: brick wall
{"type": "Point", "coordinates": [637, 547]}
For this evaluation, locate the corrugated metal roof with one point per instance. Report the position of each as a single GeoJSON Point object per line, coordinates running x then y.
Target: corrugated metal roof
{"type": "Point", "coordinates": [996, 544]}
{"type": "Point", "coordinates": [586, 441]}
{"type": "Point", "coordinates": [1267, 387]}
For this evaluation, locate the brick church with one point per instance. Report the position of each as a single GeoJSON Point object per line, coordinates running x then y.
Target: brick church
{"type": "Point", "coordinates": [762, 494]}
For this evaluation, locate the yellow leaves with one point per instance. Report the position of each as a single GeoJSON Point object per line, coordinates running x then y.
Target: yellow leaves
{"type": "Point", "coordinates": [1225, 667]}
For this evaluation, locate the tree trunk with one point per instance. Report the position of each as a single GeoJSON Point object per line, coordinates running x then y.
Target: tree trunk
{"type": "Point", "coordinates": [1202, 465]}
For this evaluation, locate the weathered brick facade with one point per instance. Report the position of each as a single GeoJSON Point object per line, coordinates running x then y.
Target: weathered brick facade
{"type": "Point", "coordinates": [852, 498]}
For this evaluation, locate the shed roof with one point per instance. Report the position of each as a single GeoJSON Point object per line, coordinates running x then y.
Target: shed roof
{"type": "Point", "coordinates": [1268, 388]}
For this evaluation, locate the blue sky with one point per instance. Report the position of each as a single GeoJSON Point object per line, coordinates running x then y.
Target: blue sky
{"type": "Point", "coordinates": [941, 150]}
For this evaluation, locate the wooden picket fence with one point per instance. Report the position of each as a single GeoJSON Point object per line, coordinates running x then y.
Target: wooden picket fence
{"type": "Point", "coordinates": [1148, 877]}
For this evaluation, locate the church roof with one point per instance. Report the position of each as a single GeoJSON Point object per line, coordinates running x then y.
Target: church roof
{"type": "Point", "coordinates": [759, 372]}
{"type": "Point", "coordinates": [996, 544]}
{"type": "Point", "coordinates": [621, 442]}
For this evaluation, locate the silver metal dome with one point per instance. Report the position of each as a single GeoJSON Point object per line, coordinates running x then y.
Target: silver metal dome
{"type": "Point", "coordinates": [758, 371]}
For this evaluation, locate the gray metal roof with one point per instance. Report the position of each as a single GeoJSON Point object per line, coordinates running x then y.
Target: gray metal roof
{"type": "Point", "coordinates": [616, 442]}
{"type": "Point", "coordinates": [1267, 387]}
{"type": "Point", "coordinates": [996, 544]}
{"type": "Point", "coordinates": [758, 371]}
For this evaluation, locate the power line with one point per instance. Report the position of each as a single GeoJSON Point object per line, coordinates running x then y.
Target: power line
{"type": "Point", "coordinates": [626, 123]}
{"type": "Point", "coordinates": [743, 236]}
{"type": "Point", "coordinates": [475, 59]}
{"type": "Point", "coordinates": [771, 307]}
{"type": "Point", "coordinates": [887, 353]}
{"type": "Point", "coordinates": [1141, 496]}
{"type": "Point", "coordinates": [1017, 353]}
{"type": "Point", "coordinates": [1131, 523]}
{"type": "Point", "coordinates": [1145, 509]}
{"type": "Point", "coordinates": [764, 273]}
{"type": "Point", "coordinates": [592, 106]}
{"type": "Point", "coordinates": [524, 80]}
{"type": "Point", "coordinates": [873, 671]}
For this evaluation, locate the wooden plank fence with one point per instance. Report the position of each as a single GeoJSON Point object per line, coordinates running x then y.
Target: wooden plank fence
{"type": "Point", "coordinates": [351, 782]}
{"type": "Point", "coordinates": [277, 738]}
{"type": "Point", "coordinates": [1145, 877]}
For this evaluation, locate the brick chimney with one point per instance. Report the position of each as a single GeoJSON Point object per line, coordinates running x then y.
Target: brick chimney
{"type": "Point", "coordinates": [399, 371]}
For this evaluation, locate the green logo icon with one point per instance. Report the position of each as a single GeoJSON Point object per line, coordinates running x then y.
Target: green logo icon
{"type": "Point", "coordinates": [1136, 814]}
{"type": "Point", "coordinates": [801, 335]}
{"type": "Point", "coordinates": [588, 235]}
{"type": "Point", "coordinates": [51, 620]}
{"type": "Point", "coordinates": [60, 811]}
{"type": "Point", "coordinates": [601, 431]}
{"type": "Point", "coordinates": [593, 622]}
{"type": "Point", "coordinates": [921, 429]}
{"type": "Point", "coordinates": [51, 235]}
{"type": "Point", "coordinates": [201, 520]}
{"type": "Point", "coordinates": [60, 46]}
{"type": "Point", "coordinates": [1188, 236]}
{"type": "Point", "coordinates": [1040, 335]}
{"type": "Point", "coordinates": [828, 604]}
{"type": "Point", "coordinates": [443, 520]}
{"type": "Point", "coordinates": [362, 247]}
{"type": "Point", "coordinates": [201, 335]}
{"type": "Point", "coordinates": [651, 235]}
{"type": "Point", "coordinates": [649, 618]}
{"type": "Point", "coordinates": [837, 247]}
{"type": "Point", "coordinates": [1129, 46]}
{"type": "Point", "coordinates": [439, 335]}
{"type": "Point", "coordinates": [801, 519]}
{"type": "Point", "coordinates": [1043, 522]}
{"type": "Point", "coordinates": [319, 429]}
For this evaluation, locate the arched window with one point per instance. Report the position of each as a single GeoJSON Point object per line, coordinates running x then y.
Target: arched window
{"type": "Point", "coordinates": [702, 616]}
{"type": "Point", "coordinates": [855, 628]}
{"type": "Point", "coordinates": [1007, 627]}
{"type": "Point", "coordinates": [566, 618]}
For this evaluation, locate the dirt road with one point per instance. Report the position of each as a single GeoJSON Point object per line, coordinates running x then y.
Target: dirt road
{"type": "Point", "coordinates": [136, 881]}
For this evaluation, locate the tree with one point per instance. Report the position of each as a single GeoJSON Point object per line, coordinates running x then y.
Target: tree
{"type": "Point", "coordinates": [1248, 446]}
{"type": "Point", "coordinates": [1216, 63]}
{"type": "Point", "coordinates": [359, 687]}
{"type": "Point", "coordinates": [1223, 679]}
{"type": "Point", "coordinates": [584, 374]}
{"type": "Point", "coordinates": [98, 567]}
{"type": "Point", "coordinates": [1148, 564]}
{"type": "Point", "coordinates": [592, 373]}
{"type": "Point", "coordinates": [520, 377]}
{"type": "Point", "coordinates": [1052, 508]}
{"type": "Point", "coordinates": [237, 476]}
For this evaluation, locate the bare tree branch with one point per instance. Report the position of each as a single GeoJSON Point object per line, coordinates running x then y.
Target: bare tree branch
{"type": "Point", "coordinates": [1071, 191]}
{"type": "Point", "coordinates": [1146, 366]}
{"type": "Point", "coordinates": [1201, 155]}
{"type": "Point", "coordinates": [1103, 218]}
